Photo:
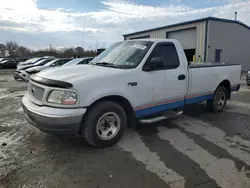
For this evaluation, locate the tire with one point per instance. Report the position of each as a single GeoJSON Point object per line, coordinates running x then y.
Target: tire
{"type": "Point", "coordinates": [96, 127]}
{"type": "Point", "coordinates": [219, 100]}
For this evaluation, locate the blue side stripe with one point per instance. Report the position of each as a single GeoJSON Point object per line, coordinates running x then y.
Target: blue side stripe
{"type": "Point", "coordinates": [160, 108]}
{"type": "Point", "coordinates": [234, 89]}
{"type": "Point", "coordinates": [169, 106]}
{"type": "Point", "coordinates": [199, 99]}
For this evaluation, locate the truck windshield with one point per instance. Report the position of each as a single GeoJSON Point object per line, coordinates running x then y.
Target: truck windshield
{"type": "Point", "coordinates": [125, 55]}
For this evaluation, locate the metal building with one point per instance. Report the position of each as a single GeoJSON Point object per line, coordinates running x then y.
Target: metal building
{"type": "Point", "coordinates": [208, 39]}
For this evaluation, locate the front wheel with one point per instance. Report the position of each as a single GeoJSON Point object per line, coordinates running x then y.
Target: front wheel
{"type": "Point", "coordinates": [219, 100]}
{"type": "Point", "coordinates": [104, 124]}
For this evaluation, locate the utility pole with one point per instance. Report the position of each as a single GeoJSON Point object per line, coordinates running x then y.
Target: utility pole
{"type": "Point", "coordinates": [236, 16]}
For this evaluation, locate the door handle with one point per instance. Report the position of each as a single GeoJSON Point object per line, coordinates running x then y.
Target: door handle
{"type": "Point", "coordinates": [182, 77]}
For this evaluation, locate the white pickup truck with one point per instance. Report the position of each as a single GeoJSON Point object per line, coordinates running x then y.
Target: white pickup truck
{"type": "Point", "coordinates": [144, 80]}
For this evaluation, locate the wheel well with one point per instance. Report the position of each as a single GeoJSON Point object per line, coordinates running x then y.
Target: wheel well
{"type": "Point", "coordinates": [125, 105]}
{"type": "Point", "coordinates": [226, 84]}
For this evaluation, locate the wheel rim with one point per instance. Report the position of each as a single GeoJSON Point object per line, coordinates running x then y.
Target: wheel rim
{"type": "Point", "coordinates": [221, 99]}
{"type": "Point", "coordinates": [108, 126]}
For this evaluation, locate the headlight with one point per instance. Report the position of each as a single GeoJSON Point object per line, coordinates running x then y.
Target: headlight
{"type": "Point", "coordinates": [62, 97]}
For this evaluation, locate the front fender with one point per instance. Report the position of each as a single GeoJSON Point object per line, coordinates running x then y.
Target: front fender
{"type": "Point", "coordinates": [97, 95]}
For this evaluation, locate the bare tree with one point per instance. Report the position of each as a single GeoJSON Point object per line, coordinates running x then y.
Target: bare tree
{"type": "Point", "coordinates": [97, 45]}
{"type": "Point", "coordinates": [2, 50]}
{"type": "Point", "coordinates": [68, 52]}
{"type": "Point", "coordinates": [23, 51]}
{"type": "Point", "coordinates": [79, 51]}
{"type": "Point", "coordinates": [12, 48]}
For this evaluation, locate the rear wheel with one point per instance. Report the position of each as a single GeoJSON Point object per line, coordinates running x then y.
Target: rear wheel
{"type": "Point", "coordinates": [219, 100]}
{"type": "Point", "coordinates": [104, 124]}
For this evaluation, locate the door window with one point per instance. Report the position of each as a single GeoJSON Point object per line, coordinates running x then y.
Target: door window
{"type": "Point", "coordinates": [167, 53]}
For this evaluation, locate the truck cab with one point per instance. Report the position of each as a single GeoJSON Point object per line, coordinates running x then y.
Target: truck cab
{"type": "Point", "coordinates": [138, 80]}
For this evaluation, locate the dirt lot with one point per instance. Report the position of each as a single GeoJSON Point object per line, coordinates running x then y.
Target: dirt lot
{"type": "Point", "coordinates": [198, 149]}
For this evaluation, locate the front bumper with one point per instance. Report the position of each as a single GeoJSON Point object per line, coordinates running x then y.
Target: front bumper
{"type": "Point", "coordinates": [56, 121]}
{"type": "Point", "coordinates": [22, 74]}
{"type": "Point", "coordinates": [16, 75]}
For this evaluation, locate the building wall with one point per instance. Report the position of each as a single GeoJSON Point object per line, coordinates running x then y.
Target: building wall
{"type": "Point", "coordinates": [234, 41]}
{"type": "Point", "coordinates": [138, 35]}
{"type": "Point", "coordinates": [161, 34]}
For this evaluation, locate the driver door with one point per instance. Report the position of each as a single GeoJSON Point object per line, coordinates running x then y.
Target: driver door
{"type": "Point", "coordinates": [169, 80]}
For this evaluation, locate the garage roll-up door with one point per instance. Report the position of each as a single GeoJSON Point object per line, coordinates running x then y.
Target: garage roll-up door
{"type": "Point", "coordinates": [187, 37]}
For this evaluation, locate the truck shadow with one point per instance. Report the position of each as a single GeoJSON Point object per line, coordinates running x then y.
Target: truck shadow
{"type": "Point", "coordinates": [199, 111]}
{"type": "Point", "coordinates": [80, 143]}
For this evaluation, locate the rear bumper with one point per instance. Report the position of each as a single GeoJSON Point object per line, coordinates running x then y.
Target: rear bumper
{"type": "Point", "coordinates": [55, 121]}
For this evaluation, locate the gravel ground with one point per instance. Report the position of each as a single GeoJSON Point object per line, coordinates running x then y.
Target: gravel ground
{"type": "Point", "coordinates": [198, 149]}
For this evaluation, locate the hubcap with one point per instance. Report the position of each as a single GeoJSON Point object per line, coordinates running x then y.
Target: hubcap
{"type": "Point", "coordinates": [221, 99]}
{"type": "Point", "coordinates": [108, 126]}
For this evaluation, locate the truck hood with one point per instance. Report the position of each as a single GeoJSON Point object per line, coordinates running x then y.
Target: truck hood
{"type": "Point", "coordinates": [76, 73]}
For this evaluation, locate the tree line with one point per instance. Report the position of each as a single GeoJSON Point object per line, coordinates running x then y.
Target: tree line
{"type": "Point", "coordinates": [14, 50]}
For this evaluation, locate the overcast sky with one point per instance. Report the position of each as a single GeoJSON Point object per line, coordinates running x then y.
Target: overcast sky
{"type": "Point", "coordinates": [93, 23]}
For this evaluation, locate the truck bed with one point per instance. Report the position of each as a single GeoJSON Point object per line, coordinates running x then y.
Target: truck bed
{"type": "Point", "coordinates": [203, 82]}
{"type": "Point", "coordinates": [204, 65]}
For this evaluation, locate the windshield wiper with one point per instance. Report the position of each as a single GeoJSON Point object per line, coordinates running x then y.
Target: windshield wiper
{"type": "Point", "coordinates": [106, 64]}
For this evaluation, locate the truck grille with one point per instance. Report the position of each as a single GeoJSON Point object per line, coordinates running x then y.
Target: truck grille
{"type": "Point", "coordinates": [36, 92]}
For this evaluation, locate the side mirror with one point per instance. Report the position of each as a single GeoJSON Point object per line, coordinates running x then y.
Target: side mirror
{"type": "Point", "coordinates": [154, 64]}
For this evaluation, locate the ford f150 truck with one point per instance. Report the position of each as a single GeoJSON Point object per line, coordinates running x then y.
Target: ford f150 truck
{"type": "Point", "coordinates": [138, 80]}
